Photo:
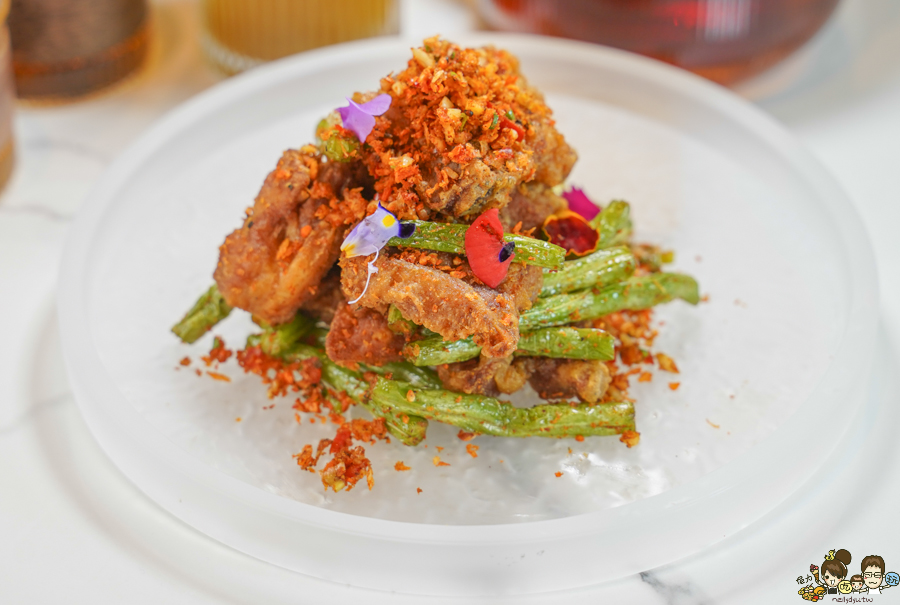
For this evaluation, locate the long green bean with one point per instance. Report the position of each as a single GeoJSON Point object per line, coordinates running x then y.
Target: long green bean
{"type": "Point", "coordinates": [209, 310]}
{"type": "Point", "coordinates": [598, 269]}
{"type": "Point", "coordinates": [636, 293]}
{"type": "Point", "coordinates": [613, 224]}
{"type": "Point", "coordinates": [567, 343]}
{"type": "Point", "coordinates": [451, 237]}
{"type": "Point", "coordinates": [275, 340]}
{"type": "Point", "coordinates": [409, 429]}
{"type": "Point", "coordinates": [487, 415]}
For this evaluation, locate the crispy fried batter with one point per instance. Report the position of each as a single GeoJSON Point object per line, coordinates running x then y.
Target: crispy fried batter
{"type": "Point", "coordinates": [530, 205]}
{"type": "Point", "coordinates": [274, 262]}
{"type": "Point", "coordinates": [361, 335]}
{"type": "Point", "coordinates": [328, 297]}
{"type": "Point", "coordinates": [434, 299]}
{"type": "Point", "coordinates": [486, 375]}
{"type": "Point", "coordinates": [523, 284]}
{"type": "Point", "coordinates": [563, 378]}
{"type": "Point", "coordinates": [463, 131]}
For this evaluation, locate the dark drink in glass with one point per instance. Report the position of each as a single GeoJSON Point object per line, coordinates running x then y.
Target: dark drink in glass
{"type": "Point", "coordinates": [723, 40]}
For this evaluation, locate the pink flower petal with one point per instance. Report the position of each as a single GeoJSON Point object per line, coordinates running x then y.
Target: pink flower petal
{"type": "Point", "coordinates": [579, 203]}
{"type": "Point", "coordinates": [358, 118]}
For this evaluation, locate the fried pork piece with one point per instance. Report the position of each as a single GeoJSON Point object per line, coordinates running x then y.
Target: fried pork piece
{"type": "Point", "coordinates": [530, 205]}
{"type": "Point", "coordinates": [464, 130]}
{"type": "Point", "coordinates": [485, 375]}
{"type": "Point", "coordinates": [328, 297]}
{"type": "Point", "coordinates": [292, 235]}
{"type": "Point", "coordinates": [434, 299]}
{"type": "Point", "coordinates": [361, 335]}
{"type": "Point", "coordinates": [523, 283]}
{"type": "Point", "coordinates": [563, 378]}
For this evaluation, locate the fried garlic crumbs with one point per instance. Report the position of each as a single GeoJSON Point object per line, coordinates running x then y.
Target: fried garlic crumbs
{"type": "Point", "coordinates": [630, 438]}
{"type": "Point", "coordinates": [674, 385]}
{"type": "Point", "coordinates": [645, 377]}
{"type": "Point", "coordinates": [186, 361]}
{"type": "Point", "coordinates": [418, 490]}
{"type": "Point", "coordinates": [217, 376]}
{"type": "Point", "coordinates": [438, 462]}
{"type": "Point", "coordinates": [472, 450]}
{"type": "Point", "coordinates": [280, 376]}
{"type": "Point", "coordinates": [464, 436]}
{"type": "Point", "coordinates": [712, 424]}
{"type": "Point", "coordinates": [666, 363]}
{"type": "Point", "coordinates": [558, 473]}
{"type": "Point", "coordinates": [348, 464]}
{"type": "Point", "coordinates": [400, 466]}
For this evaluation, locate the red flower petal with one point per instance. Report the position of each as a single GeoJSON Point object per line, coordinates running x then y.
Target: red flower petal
{"type": "Point", "coordinates": [484, 243]}
{"type": "Point", "coordinates": [572, 232]}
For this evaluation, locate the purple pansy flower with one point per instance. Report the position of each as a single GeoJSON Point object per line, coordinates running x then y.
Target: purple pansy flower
{"type": "Point", "coordinates": [360, 118]}
{"type": "Point", "coordinates": [579, 203]}
{"type": "Point", "coordinates": [371, 235]}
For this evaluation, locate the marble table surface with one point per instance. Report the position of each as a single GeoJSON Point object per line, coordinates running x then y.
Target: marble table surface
{"type": "Point", "coordinates": [74, 530]}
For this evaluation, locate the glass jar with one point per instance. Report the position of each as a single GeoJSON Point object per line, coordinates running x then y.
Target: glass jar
{"type": "Point", "coordinates": [723, 40]}
{"type": "Point", "coordinates": [68, 48]}
{"type": "Point", "coordinates": [239, 34]}
{"type": "Point", "coordinates": [7, 98]}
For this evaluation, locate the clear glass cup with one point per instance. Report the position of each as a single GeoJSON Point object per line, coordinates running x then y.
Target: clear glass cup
{"type": "Point", "coordinates": [723, 40]}
{"type": "Point", "coordinates": [240, 34]}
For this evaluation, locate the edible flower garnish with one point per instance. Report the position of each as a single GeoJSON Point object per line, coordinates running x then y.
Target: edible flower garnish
{"type": "Point", "coordinates": [488, 255]}
{"type": "Point", "coordinates": [360, 117]}
{"type": "Point", "coordinates": [370, 236]}
{"type": "Point", "coordinates": [570, 231]}
{"type": "Point", "coordinates": [580, 203]}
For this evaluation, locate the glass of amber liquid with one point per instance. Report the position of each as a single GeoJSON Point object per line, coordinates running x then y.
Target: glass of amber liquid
{"type": "Point", "coordinates": [723, 40]}
{"type": "Point", "coordinates": [240, 34]}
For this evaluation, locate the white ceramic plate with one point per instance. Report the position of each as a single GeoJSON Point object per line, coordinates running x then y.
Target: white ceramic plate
{"type": "Point", "coordinates": [769, 366]}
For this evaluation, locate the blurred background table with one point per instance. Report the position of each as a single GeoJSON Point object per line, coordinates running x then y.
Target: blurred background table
{"type": "Point", "coordinates": [74, 530]}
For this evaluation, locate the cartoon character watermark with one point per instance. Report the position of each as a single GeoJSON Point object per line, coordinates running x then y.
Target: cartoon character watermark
{"type": "Point", "coordinates": [831, 578]}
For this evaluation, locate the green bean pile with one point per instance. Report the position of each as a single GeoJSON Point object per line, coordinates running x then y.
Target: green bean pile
{"type": "Point", "coordinates": [409, 394]}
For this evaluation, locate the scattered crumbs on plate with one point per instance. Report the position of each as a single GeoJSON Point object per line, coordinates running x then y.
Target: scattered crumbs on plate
{"type": "Point", "coordinates": [630, 438]}
{"type": "Point", "coordinates": [186, 361]}
{"type": "Point", "coordinates": [666, 363]}
{"type": "Point", "coordinates": [704, 298]}
{"type": "Point", "coordinates": [199, 373]}
{"type": "Point", "coordinates": [712, 424]}
{"type": "Point", "coordinates": [438, 462]}
{"type": "Point", "coordinates": [238, 419]}
{"type": "Point", "coordinates": [645, 377]}
{"type": "Point", "coordinates": [418, 490]}
{"type": "Point", "coordinates": [439, 448]}
{"type": "Point", "coordinates": [472, 450]}
{"type": "Point", "coordinates": [674, 385]}
{"type": "Point", "coordinates": [400, 466]}
{"type": "Point", "coordinates": [558, 473]}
